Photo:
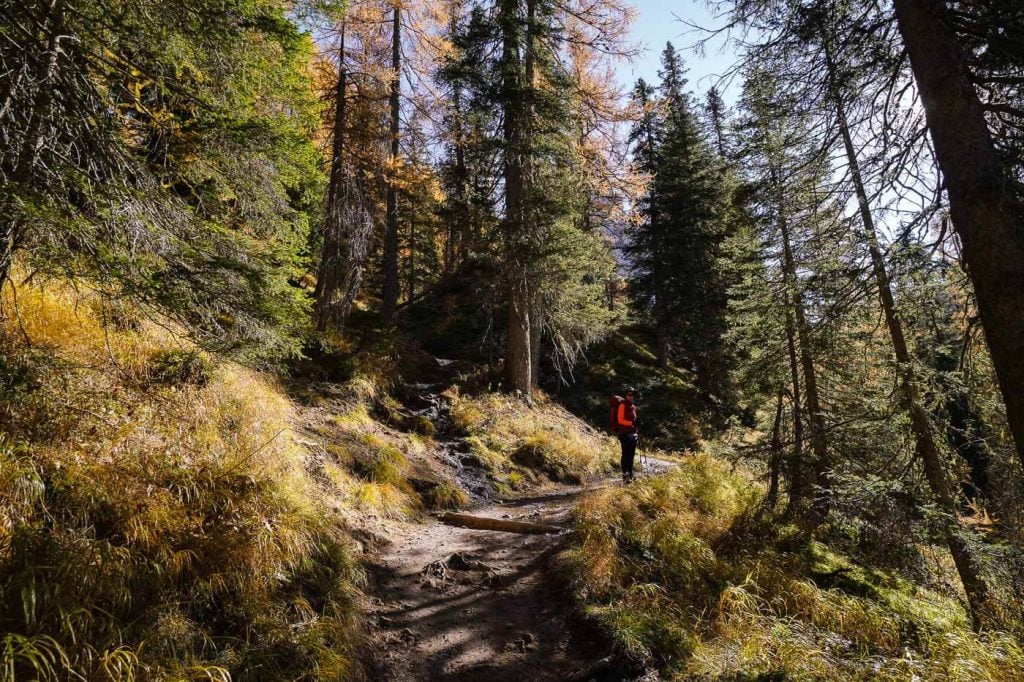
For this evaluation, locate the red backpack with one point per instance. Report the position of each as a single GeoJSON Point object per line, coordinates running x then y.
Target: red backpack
{"type": "Point", "coordinates": [613, 412]}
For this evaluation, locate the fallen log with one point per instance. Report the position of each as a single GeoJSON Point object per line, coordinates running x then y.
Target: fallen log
{"type": "Point", "coordinates": [503, 525]}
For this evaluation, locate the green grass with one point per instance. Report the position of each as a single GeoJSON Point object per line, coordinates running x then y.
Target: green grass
{"type": "Point", "coordinates": [687, 574]}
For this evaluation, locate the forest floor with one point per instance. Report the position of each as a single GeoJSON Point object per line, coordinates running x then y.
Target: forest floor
{"type": "Point", "coordinates": [459, 604]}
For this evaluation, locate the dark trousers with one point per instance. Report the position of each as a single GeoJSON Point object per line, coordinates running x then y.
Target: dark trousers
{"type": "Point", "coordinates": [628, 442]}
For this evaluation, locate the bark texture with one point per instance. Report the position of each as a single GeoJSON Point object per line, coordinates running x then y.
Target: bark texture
{"type": "Point", "coordinates": [389, 294]}
{"type": "Point", "coordinates": [986, 215]}
{"type": "Point", "coordinates": [347, 224]}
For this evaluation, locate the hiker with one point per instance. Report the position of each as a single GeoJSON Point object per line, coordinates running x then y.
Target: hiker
{"type": "Point", "coordinates": [626, 425]}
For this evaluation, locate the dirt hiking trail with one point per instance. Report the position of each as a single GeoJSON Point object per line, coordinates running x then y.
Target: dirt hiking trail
{"type": "Point", "coordinates": [459, 604]}
{"type": "Point", "coordinates": [453, 603]}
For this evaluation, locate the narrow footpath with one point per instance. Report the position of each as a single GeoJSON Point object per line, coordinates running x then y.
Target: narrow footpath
{"type": "Point", "coordinates": [459, 604]}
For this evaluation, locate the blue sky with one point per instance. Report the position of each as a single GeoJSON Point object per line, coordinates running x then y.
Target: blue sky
{"type": "Point", "coordinates": [658, 22]}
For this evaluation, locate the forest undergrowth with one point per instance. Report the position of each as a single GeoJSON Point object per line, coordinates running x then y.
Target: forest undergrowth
{"type": "Point", "coordinates": [689, 573]}
{"type": "Point", "coordinates": [159, 520]}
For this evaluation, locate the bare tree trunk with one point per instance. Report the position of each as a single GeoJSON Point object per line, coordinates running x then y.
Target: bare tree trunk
{"type": "Point", "coordinates": [389, 294]}
{"type": "Point", "coordinates": [819, 444]}
{"type": "Point", "coordinates": [412, 255]}
{"type": "Point", "coordinates": [924, 436]}
{"type": "Point", "coordinates": [535, 337]}
{"type": "Point", "coordinates": [346, 224]}
{"type": "Point", "coordinates": [796, 478]}
{"type": "Point", "coordinates": [662, 340]}
{"type": "Point", "coordinates": [986, 214]}
{"type": "Point", "coordinates": [459, 237]}
{"type": "Point", "coordinates": [518, 362]}
{"type": "Point", "coordinates": [530, 223]}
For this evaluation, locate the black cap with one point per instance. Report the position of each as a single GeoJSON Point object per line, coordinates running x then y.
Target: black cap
{"type": "Point", "coordinates": [629, 389]}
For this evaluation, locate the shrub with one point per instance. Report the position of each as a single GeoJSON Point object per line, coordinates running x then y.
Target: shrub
{"type": "Point", "coordinates": [180, 368]}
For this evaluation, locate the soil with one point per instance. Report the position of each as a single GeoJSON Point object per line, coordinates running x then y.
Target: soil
{"type": "Point", "coordinates": [459, 604]}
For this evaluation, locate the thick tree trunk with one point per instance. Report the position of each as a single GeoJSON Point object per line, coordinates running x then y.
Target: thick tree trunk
{"type": "Point", "coordinates": [518, 361]}
{"type": "Point", "coordinates": [412, 256]}
{"type": "Point", "coordinates": [662, 340]}
{"type": "Point", "coordinates": [331, 255]}
{"type": "Point", "coordinates": [389, 294]}
{"type": "Point", "coordinates": [926, 448]}
{"type": "Point", "coordinates": [459, 237]}
{"type": "Point", "coordinates": [816, 420]}
{"type": "Point", "coordinates": [531, 227]}
{"type": "Point", "coordinates": [986, 214]}
{"type": "Point", "coordinates": [340, 274]}
{"type": "Point", "coordinates": [535, 333]}
{"type": "Point", "coordinates": [796, 462]}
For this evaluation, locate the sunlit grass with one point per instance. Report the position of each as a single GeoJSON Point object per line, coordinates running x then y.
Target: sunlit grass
{"type": "Point", "coordinates": [504, 431]}
{"type": "Point", "coordinates": [157, 519]}
{"type": "Point", "coordinates": [685, 572]}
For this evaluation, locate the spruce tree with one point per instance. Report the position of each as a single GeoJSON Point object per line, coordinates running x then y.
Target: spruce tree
{"type": "Point", "coordinates": [677, 247]}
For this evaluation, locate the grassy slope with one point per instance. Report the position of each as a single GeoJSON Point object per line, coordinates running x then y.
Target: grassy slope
{"type": "Point", "coordinates": [686, 574]}
{"type": "Point", "coordinates": [157, 519]}
{"type": "Point", "coordinates": [164, 515]}
{"type": "Point", "coordinates": [520, 444]}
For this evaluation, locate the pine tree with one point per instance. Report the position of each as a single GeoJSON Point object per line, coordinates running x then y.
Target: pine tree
{"type": "Point", "coordinates": [515, 59]}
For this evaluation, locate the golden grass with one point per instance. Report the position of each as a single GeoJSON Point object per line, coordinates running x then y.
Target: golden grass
{"type": "Point", "coordinates": [160, 530]}
{"type": "Point", "coordinates": [685, 575]}
{"type": "Point", "coordinates": [504, 431]}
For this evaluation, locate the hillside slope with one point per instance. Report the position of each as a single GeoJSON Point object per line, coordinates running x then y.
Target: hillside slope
{"type": "Point", "coordinates": [688, 573]}
{"type": "Point", "coordinates": [166, 514]}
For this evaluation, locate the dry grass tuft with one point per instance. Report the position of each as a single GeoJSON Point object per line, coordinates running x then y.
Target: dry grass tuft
{"type": "Point", "coordinates": [504, 431]}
